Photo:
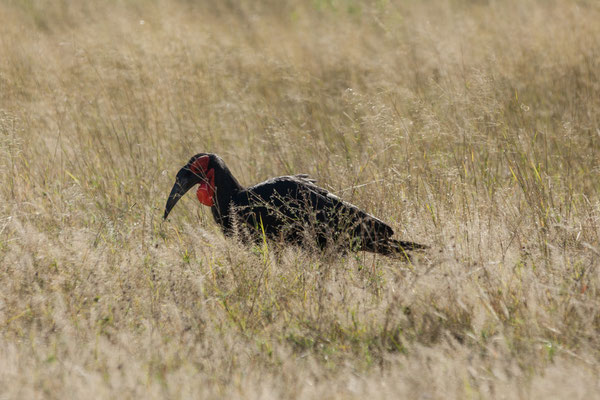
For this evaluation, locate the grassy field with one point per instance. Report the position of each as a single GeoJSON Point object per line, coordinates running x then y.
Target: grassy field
{"type": "Point", "coordinates": [470, 125]}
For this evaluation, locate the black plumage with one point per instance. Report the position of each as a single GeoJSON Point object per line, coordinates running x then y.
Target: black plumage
{"type": "Point", "coordinates": [287, 208]}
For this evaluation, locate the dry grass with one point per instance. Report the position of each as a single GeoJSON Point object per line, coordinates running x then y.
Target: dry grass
{"type": "Point", "coordinates": [472, 126]}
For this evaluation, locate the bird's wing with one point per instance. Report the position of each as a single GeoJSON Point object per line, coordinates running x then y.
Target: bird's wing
{"type": "Point", "coordinates": [303, 178]}
{"type": "Point", "coordinates": [300, 186]}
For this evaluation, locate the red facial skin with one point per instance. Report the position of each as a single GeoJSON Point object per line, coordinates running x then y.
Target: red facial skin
{"type": "Point", "coordinates": [206, 190]}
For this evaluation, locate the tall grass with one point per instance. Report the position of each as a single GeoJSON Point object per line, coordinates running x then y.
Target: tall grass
{"type": "Point", "coordinates": [472, 126]}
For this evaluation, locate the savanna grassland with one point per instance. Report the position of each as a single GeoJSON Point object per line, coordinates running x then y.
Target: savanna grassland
{"type": "Point", "coordinates": [471, 126]}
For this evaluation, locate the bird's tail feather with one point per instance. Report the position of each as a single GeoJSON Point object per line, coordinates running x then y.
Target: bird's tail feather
{"type": "Point", "coordinates": [393, 246]}
{"type": "Point", "coordinates": [402, 245]}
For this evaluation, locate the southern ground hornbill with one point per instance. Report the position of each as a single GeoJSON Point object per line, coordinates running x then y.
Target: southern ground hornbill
{"type": "Point", "coordinates": [287, 208]}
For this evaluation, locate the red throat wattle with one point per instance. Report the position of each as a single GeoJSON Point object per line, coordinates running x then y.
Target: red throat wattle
{"type": "Point", "coordinates": [206, 190]}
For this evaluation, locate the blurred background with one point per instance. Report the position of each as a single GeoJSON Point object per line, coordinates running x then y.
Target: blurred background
{"type": "Point", "coordinates": [469, 125]}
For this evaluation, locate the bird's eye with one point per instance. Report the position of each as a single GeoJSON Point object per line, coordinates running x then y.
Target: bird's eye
{"type": "Point", "coordinates": [194, 169]}
{"type": "Point", "coordinates": [200, 165]}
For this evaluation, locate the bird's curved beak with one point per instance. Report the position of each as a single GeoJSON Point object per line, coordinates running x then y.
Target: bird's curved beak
{"type": "Point", "coordinates": [184, 181]}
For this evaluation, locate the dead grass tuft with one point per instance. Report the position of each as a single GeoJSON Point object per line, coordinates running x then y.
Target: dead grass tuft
{"type": "Point", "coordinates": [472, 126]}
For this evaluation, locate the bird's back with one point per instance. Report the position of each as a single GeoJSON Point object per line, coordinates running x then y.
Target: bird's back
{"type": "Point", "coordinates": [293, 208]}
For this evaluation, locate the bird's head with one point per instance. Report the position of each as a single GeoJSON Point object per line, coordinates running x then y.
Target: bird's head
{"type": "Point", "coordinates": [200, 170]}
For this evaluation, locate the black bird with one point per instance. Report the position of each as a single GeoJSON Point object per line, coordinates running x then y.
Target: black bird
{"type": "Point", "coordinates": [288, 208]}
